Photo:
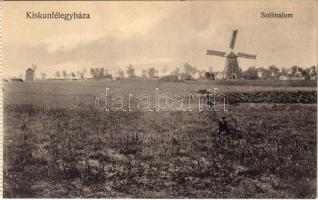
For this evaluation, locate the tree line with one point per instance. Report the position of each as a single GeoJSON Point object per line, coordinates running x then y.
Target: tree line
{"type": "Point", "coordinates": [187, 72]}
{"type": "Point", "coordinates": [273, 72]}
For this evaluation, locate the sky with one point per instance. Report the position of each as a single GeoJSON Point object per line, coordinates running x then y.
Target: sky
{"type": "Point", "coordinates": [156, 34]}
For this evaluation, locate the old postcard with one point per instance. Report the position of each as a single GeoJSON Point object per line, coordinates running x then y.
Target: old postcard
{"type": "Point", "coordinates": [161, 99]}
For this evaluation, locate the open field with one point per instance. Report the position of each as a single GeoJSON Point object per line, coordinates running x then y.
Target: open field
{"type": "Point", "coordinates": [58, 145]}
{"type": "Point", "coordinates": [71, 93]}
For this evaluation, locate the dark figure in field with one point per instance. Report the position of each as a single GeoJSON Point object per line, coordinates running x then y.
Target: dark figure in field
{"type": "Point", "coordinates": [223, 128]}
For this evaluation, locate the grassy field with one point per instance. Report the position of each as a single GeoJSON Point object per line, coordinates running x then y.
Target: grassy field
{"type": "Point", "coordinates": [58, 145]}
{"type": "Point", "coordinates": [71, 93]}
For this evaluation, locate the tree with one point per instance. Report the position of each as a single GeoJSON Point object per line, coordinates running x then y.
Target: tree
{"type": "Point", "coordinates": [306, 73]}
{"type": "Point", "coordinates": [273, 71]}
{"type": "Point", "coordinates": [164, 70]}
{"type": "Point", "coordinates": [295, 70]}
{"type": "Point", "coordinates": [250, 73]}
{"type": "Point", "coordinates": [309, 73]}
{"type": "Point", "coordinates": [101, 72]}
{"type": "Point", "coordinates": [97, 71]}
{"type": "Point", "coordinates": [152, 72]}
{"type": "Point", "coordinates": [93, 73]}
{"type": "Point", "coordinates": [202, 74]}
{"type": "Point", "coordinates": [121, 73]}
{"type": "Point", "coordinates": [209, 76]}
{"type": "Point", "coordinates": [313, 70]}
{"type": "Point", "coordinates": [43, 76]}
{"type": "Point", "coordinates": [284, 72]}
{"type": "Point", "coordinates": [176, 71]}
{"type": "Point", "coordinates": [131, 72]}
{"type": "Point", "coordinates": [144, 73]}
{"type": "Point", "coordinates": [64, 74]}
{"type": "Point", "coordinates": [57, 74]}
{"type": "Point", "coordinates": [189, 70]}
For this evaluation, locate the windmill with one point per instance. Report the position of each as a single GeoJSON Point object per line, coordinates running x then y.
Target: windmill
{"type": "Point", "coordinates": [231, 69]}
{"type": "Point", "coordinates": [30, 73]}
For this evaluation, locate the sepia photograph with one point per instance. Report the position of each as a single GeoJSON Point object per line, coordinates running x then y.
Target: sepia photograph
{"type": "Point", "coordinates": [159, 99]}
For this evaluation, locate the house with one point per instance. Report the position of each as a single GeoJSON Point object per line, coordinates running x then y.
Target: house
{"type": "Point", "coordinates": [220, 76]}
{"type": "Point", "coordinates": [260, 73]}
{"type": "Point", "coordinates": [196, 75]}
{"type": "Point", "coordinates": [313, 77]}
{"type": "Point", "coordinates": [16, 80]}
{"type": "Point", "coordinates": [313, 73]}
{"type": "Point", "coordinates": [266, 74]}
{"type": "Point", "coordinates": [298, 73]}
{"type": "Point", "coordinates": [283, 77]}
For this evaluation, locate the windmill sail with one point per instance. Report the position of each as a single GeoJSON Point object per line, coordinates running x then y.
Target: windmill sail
{"type": "Point", "coordinates": [245, 55]}
{"type": "Point", "coordinates": [233, 39]}
{"type": "Point", "coordinates": [215, 53]}
{"type": "Point", "coordinates": [34, 67]}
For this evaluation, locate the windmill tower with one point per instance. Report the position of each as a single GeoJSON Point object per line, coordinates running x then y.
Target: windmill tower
{"type": "Point", "coordinates": [232, 69]}
{"type": "Point", "coordinates": [30, 73]}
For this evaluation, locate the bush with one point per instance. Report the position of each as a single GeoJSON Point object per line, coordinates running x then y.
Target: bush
{"type": "Point", "coordinates": [307, 97]}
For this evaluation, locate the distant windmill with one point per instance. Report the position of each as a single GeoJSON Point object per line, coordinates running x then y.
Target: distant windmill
{"type": "Point", "coordinates": [30, 73]}
{"type": "Point", "coordinates": [232, 69]}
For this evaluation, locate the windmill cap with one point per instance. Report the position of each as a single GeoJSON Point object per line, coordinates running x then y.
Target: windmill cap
{"type": "Point", "coordinates": [231, 55]}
